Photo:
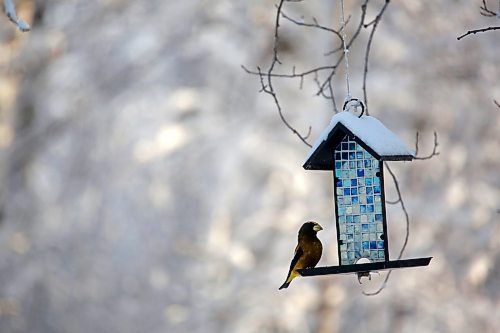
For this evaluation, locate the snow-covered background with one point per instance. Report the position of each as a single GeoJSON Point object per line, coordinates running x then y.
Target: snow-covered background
{"type": "Point", "coordinates": [146, 185]}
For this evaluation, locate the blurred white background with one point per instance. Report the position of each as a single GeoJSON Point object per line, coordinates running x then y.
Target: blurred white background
{"type": "Point", "coordinates": [146, 185]}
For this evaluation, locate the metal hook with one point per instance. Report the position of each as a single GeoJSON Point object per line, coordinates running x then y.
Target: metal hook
{"type": "Point", "coordinates": [360, 103]}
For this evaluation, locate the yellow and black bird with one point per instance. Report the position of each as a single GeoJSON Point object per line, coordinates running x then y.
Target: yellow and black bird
{"type": "Point", "coordinates": [308, 251]}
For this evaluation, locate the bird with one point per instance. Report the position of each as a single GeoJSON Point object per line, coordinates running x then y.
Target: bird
{"type": "Point", "coordinates": [307, 252]}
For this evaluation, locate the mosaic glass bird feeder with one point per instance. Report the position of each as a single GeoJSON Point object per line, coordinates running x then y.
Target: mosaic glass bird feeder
{"type": "Point", "coordinates": [354, 148]}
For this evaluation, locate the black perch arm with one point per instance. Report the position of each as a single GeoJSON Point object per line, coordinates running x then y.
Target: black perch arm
{"type": "Point", "coordinates": [365, 267]}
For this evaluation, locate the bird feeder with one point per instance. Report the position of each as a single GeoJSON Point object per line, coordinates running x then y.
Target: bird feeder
{"type": "Point", "coordinates": [354, 148]}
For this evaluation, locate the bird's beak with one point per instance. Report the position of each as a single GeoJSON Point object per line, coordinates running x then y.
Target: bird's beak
{"type": "Point", "coordinates": [317, 227]}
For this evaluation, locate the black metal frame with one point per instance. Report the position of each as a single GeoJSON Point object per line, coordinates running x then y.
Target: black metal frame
{"type": "Point", "coordinates": [365, 267]}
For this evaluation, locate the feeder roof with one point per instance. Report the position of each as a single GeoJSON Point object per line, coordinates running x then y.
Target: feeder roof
{"type": "Point", "coordinates": [369, 131]}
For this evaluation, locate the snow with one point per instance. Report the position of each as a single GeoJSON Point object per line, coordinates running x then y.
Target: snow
{"type": "Point", "coordinates": [370, 130]}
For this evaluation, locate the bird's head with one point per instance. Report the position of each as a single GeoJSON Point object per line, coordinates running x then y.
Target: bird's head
{"type": "Point", "coordinates": [310, 227]}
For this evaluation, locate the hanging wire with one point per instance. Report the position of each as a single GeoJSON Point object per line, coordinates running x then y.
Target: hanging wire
{"type": "Point", "coordinates": [346, 51]}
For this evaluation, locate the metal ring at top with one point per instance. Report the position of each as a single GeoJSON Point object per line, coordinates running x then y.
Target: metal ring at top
{"type": "Point", "coordinates": [359, 101]}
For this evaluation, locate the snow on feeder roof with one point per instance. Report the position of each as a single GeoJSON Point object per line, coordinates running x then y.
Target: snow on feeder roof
{"type": "Point", "coordinates": [368, 131]}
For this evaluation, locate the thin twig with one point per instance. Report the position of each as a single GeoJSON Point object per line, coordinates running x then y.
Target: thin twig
{"type": "Point", "coordinates": [496, 103]}
{"type": "Point", "coordinates": [473, 32]}
{"type": "Point", "coordinates": [485, 11]}
{"type": "Point", "coordinates": [434, 149]}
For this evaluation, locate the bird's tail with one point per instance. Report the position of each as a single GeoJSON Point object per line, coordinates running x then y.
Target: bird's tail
{"type": "Point", "coordinates": [284, 285]}
{"type": "Point", "coordinates": [289, 279]}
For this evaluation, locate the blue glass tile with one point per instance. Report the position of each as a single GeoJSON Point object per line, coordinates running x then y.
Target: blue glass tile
{"type": "Point", "coordinates": [343, 247]}
{"type": "Point", "coordinates": [345, 146]}
{"type": "Point", "coordinates": [368, 173]}
{"type": "Point", "coordinates": [339, 182]}
{"type": "Point", "coordinates": [350, 255]}
{"type": "Point", "coordinates": [381, 254]}
{"type": "Point", "coordinates": [373, 228]}
{"type": "Point", "coordinates": [369, 199]}
{"type": "Point", "coordinates": [380, 244]}
{"type": "Point", "coordinates": [375, 164]}
{"type": "Point", "coordinates": [338, 165]}
{"type": "Point", "coordinates": [380, 227]}
{"type": "Point", "coordinates": [364, 227]}
{"type": "Point", "coordinates": [369, 208]}
{"type": "Point", "coordinates": [338, 173]}
{"type": "Point", "coordinates": [345, 174]}
{"type": "Point", "coordinates": [371, 218]}
{"type": "Point", "coordinates": [347, 200]}
{"type": "Point", "coordinates": [378, 217]}
{"type": "Point", "coordinates": [350, 246]}
{"type": "Point", "coordinates": [373, 244]}
{"type": "Point", "coordinates": [340, 191]}
{"type": "Point", "coordinates": [361, 173]}
{"type": "Point", "coordinates": [357, 246]}
{"type": "Point", "coordinates": [347, 191]}
{"type": "Point", "coordinates": [352, 155]}
{"type": "Point", "coordinates": [340, 201]}
{"type": "Point", "coordinates": [376, 181]}
{"type": "Point", "coordinates": [341, 219]}
{"type": "Point", "coordinates": [362, 209]}
{"type": "Point", "coordinates": [345, 156]}
{"type": "Point", "coordinates": [368, 163]}
{"type": "Point", "coordinates": [361, 182]}
{"type": "Point", "coordinates": [356, 219]}
{"type": "Point", "coordinates": [354, 182]}
{"type": "Point", "coordinates": [352, 146]}
{"type": "Point", "coordinates": [349, 218]}
{"type": "Point", "coordinates": [357, 254]}
{"type": "Point", "coordinates": [355, 200]}
{"type": "Point", "coordinates": [341, 211]}
{"type": "Point", "coordinates": [346, 183]}
{"type": "Point", "coordinates": [352, 173]}
{"type": "Point", "coordinates": [366, 245]}
{"type": "Point", "coordinates": [364, 219]}
{"type": "Point", "coordinates": [359, 164]}
{"type": "Point", "coordinates": [373, 255]}
{"type": "Point", "coordinates": [345, 165]}
{"type": "Point", "coordinates": [378, 198]}
{"type": "Point", "coordinates": [361, 190]}
{"type": "Point", "coordinates": [350, 237]}
{"type": "Point", "coordinates": [376, 189]}
{"type": "Point", "coordinates": [354, 191]}
{"type": "Point", "coordinates": [378, 208]}
{"type": "Point", "coordinates": [369, 190]}
{"type": "Point", "coordinates": [368, 182]}
{"type": "Point", "coordinates": [357, 237]}
{"type": "Point", "coordinates": [344, 255]}
{"type": "Point", "coordinates": [350, 229]}
{"type": "Point", "coordinates": [359, 154]}
{"type": "Point", "coordinates": [352, 165]}
{"type": "Point", "coordinates": [337, 155]}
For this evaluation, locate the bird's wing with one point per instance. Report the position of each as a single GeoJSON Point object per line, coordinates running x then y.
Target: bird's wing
{"type": "Point", "coordinates": [298, 253]}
